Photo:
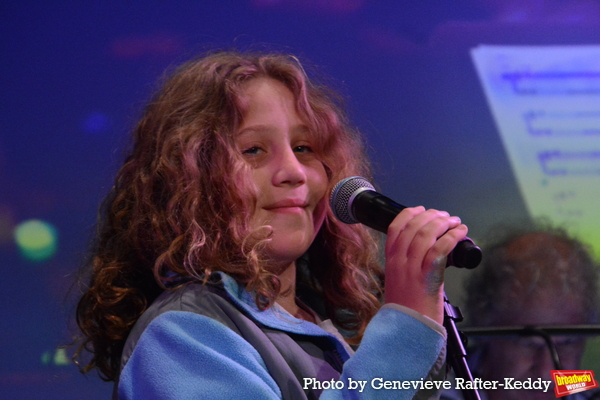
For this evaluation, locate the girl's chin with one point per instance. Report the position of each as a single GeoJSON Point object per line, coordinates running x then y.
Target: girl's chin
{"type": "Point", "coordinates": [285, 256]}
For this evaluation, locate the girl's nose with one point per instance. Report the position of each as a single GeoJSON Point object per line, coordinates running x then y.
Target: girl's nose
{"type": "Point", "coordinates": [289, 170]}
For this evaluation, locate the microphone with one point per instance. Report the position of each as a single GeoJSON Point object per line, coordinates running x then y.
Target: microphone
{"type": "Point", "coordinates": [355, 200]}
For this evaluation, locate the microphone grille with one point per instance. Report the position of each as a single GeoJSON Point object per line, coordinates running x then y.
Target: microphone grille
{"type": "Point", "coordinates": [344, 193]}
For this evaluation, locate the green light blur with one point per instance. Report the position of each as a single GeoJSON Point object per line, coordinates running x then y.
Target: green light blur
{"type": "Point", "coordinates": [37, 240]}
{"type": "Point", "coordinates": [59, 358]}
{"type": "Point", "coordinates": [46, 357]}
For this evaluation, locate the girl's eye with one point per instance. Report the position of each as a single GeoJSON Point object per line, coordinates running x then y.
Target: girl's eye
{"type": "Point", "coordinates": [252, 151]}
{"type": "Point", "coordinates": [303, 149]}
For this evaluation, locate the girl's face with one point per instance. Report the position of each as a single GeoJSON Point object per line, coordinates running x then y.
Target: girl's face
{"type": "Point", "coordinates": [290, 179]}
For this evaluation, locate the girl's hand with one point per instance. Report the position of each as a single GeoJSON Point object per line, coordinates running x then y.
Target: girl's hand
{"type": "Point", "coordinates": [418, 242]}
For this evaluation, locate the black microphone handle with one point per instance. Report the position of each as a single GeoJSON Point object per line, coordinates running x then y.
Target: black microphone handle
{"type": "Point", "coordinates": [378, 211]}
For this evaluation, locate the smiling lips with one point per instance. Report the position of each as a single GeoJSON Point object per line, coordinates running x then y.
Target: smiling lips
{"type": "Point", "coordinates": [287, 205]}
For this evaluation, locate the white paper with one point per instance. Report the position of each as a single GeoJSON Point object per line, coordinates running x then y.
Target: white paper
{"type": "Point", "coordinates": [546, 105]}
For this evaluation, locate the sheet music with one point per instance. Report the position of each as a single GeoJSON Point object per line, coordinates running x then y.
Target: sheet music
{"type": "Point", "coordinates": [546, 105]}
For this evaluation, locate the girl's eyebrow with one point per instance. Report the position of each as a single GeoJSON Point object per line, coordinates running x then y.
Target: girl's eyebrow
{"type": "Point", "coordinates": [252, 129]}
{"type": "Point", "coordinates": [300, 128]}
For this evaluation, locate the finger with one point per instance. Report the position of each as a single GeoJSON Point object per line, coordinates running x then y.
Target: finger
{"type": "Point", "coordinates": [444, 245]}
{"type": "Point", "coordinates": [434, 263]}
{"type": "Point", "coordinates": [402, 219]}
{"type": "Point", "coordinates": [427, 236]}
{"type": "Point", "coordinates": [404, 227]}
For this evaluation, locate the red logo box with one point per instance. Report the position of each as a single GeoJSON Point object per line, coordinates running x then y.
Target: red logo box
{"type": "Point", "coordinates": [572, 381]}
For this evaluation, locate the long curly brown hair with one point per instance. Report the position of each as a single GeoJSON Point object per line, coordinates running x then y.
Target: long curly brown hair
{"type": "Point", "coordinates": [181, 207]}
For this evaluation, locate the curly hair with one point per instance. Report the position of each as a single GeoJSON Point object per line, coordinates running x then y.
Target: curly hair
{"type": "Point", "coordinates": [521, 262]}
{"type": "Point", "coordinates": [180, 206]}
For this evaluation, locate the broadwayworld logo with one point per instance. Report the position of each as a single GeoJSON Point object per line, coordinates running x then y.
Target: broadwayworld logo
{"type": "Point", "coordinates": [569, 382]}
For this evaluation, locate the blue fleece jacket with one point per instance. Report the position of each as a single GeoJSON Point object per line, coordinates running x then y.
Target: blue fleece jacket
{"type": "Point", "coordinates": [205, 343]}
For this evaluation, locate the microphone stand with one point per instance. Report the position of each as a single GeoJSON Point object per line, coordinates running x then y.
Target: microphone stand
{"type": "Point", "coordinates": [456, 353]}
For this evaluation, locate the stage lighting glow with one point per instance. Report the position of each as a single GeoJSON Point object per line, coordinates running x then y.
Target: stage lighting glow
{"type": "Point", "coordinates": [61, 358]}
{"type": "Point", "coordinates": [37, 240]}
{"type": "Point", "coordinates": [96, 123]}
{"type": "Point", "coordinates": [46, 357]}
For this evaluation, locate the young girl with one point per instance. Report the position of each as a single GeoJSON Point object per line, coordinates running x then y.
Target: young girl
{"type": "Point", "coordinates": [220, 271]}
